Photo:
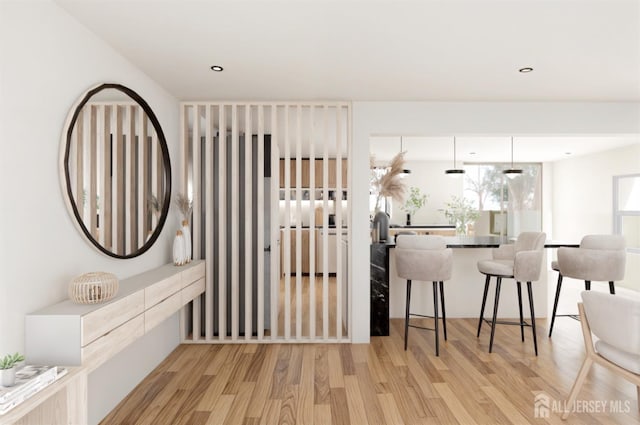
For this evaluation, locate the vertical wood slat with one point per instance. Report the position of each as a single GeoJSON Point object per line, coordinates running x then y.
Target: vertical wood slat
{"type": "Point", "coordinates": [196, 200]}
{"type": "Point", "coordinates": [325, 229]}
{"type": "Point", "coordinates": [127, 162]}
{"type": "Point", "coordinates": [312, 227]}
{"type": "Point", "coordinates": [222, 223]}
{"type": "Point", "coordinates": [100, 163]}
{"type": "Point", "coordinates": [260, 224]}
{"type": "Point", "coordinates": [146, 184]}
{"type": "Point", "coordinates": [275, 227]}
{"type": "Point", "coordinates": [184, 185]}
{"type": "Point", "coordinates": [338, 222]}
{"type": "Point", "coordinates": [142, 204]}
{"type": "Point", "coordinates": [286, 229]}
{"type": "Point", "coordinates": [107, 167]}
{"type": "Point", "coordinates": [299, 268]}
{"type": "Point", "coordinates": [158, 169]}
{"type": "Point", "coordinates": [208, 307]}
{"type": "Point", "coordinates": [349, 276]}
{"type": "Point", "coordinates": [248, 224]}
{"type": "Point", "coordinates": [134, 208]}
{"type": "Point", "coordinates": [118, 222]}
{"type": "Point", "coordinates": [235, 278]}
{"type": "Point", "coordinates": [92, 198]}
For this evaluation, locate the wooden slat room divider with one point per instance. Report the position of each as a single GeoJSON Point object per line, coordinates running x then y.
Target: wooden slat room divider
{"type": "Point", "coordinates": [269, 186]}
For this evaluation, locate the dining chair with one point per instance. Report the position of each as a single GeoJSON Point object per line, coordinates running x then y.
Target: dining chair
{"type": "Point", "coordinates": [599, 258]}
{"type": "Point", "coordinates": [521, 261]}
{"type": "Point", "coordinates": [615, 321]}
{"type": "Point", "coordinates": [424, 258]}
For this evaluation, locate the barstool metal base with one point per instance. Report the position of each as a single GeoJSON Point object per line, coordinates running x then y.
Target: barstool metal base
{"type": "Point", "coordinates": [408, 314]}
{"type": "Point", "coordinates": [494, 320]}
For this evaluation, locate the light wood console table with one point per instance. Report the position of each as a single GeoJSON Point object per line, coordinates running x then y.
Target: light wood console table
{"type": "Point", "coordinates": [81, 337]}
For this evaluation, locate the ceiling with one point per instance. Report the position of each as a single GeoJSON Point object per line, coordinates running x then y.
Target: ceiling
{"type": "Point", "coordinates": [362, 50]}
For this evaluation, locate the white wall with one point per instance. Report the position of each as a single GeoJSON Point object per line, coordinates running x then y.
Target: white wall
{"type": "Point", "coordinates": [456, 118]}
{"type": "Point", "coordinates": [48, 60]}
{"type": "Point", "coordinates": [582, 198]}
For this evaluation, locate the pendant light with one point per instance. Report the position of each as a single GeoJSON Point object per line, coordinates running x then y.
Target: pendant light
{"type": "Point", "coordinates": [405, 171]}
{"type": "Point", "coordinates": [454, 172]}
{"type": "Point", "coordinates": [512, 172]}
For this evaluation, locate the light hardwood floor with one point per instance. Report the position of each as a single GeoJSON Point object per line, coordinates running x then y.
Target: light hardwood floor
{"type": "Point", "coordinates": [379, 383]}
{"type": "Point", "coordinates": [306, 311]}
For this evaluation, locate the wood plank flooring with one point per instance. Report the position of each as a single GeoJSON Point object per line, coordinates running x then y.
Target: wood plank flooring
{"type": "Point", "coordinates": [380, 383]}
{"type": "Point", "coordinates": [305, 288]}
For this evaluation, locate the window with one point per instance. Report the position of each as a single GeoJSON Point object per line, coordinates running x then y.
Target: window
{"type": "Point", "coordinates": [510, 205]}
{"type": "Point", "coordinates": [626, 209]}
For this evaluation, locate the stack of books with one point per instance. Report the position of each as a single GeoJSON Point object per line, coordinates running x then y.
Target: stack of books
{"type": "Point", "coordinates": [29, 380]}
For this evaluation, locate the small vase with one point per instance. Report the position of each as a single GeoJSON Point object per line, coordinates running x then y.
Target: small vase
{"type": "Point", "coordinates": [381, 219]}
{"type": "Point", "coordinates": [408, 219]}
{"type": "Point", "coordinates": [179, 258]}
{"type": "Point", "coordinates": [8, 377]}
{"type": "Point", "coordinates": [186, 234]}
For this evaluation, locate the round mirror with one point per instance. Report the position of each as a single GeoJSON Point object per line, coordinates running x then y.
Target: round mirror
{"type": "Point", "coordinates": [117, 174]}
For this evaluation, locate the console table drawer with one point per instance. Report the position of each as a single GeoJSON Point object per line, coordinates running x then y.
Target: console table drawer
{"type": "Point", "coordinates": [192, 291]}
{"type": "Point", "coordinates": [103, 348]}
{"type": "Point", "coordinates": [159, 312]}
{"type": "Point", "coordinates": [159, 291]}
{"type": "Point", "coordinates": [110, 316]}
{"type": "Point", "coordinates": [191, 275]}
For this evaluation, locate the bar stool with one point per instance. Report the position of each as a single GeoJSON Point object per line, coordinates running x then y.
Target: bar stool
{"type": "Point", "coordinates": [600, 258]}
{"type": "Point", "coordinates": [424, 258]}
{"type": "Point", "coordinates": [521, 261]}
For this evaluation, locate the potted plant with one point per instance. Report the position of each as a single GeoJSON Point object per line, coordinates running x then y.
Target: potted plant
{"type": "Point", "coordinates": [414, 202]}
{"type": "Point", "coordinates": [8, 369]}
{"type": "Point", "coordinates": [460, 212]}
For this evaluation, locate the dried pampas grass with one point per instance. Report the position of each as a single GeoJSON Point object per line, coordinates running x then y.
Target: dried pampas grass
{"type": "Point", "coordinates": [389, 184]}
{"type": "Point", "coordinates": [184, 205]}
{"type": "Point", "coordinates": [153, 205]}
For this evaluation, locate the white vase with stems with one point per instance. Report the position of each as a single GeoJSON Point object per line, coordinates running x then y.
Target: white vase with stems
{"type": "Point", "coordinates": [186, 234]}
{"type": "Point", "coordinates": [179, 258]}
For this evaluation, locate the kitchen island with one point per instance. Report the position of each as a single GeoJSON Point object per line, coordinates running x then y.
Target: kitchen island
{"type": "Point", "coordinates": [463, 293]}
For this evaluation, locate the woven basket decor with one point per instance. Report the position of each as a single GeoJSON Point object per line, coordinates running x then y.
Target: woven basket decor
{"type": "Point", "coordinates": [93, 288]}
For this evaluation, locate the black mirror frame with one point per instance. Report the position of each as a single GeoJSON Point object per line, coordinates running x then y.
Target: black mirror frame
{"type": "Point", "coordinates": [69, 125]}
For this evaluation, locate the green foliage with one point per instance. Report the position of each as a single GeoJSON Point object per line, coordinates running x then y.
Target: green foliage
{"type": "Point", "coordinates": [415, 201]}
{"type": "Point", "coordinates": [10, 360]}
{"type": "Point", "coordinates": [460, 212]}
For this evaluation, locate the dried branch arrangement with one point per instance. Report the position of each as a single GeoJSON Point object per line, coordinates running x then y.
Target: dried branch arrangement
{"type": "Point", "coordinates": [389, 183]}
{"type": "Point", "coordinates": [184, 205]}
{"type": "Point", "coordinates": [153, 205]}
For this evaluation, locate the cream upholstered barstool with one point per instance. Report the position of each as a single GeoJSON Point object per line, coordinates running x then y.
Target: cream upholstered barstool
{"type": "Point", "coordinates": [521, 261]}
{"type": "Point", "coordinates": [424, 258]}
{"type": "Point", "coordinates": [615, 321]}
{"type": "Point", "coordinates": [600, 258]}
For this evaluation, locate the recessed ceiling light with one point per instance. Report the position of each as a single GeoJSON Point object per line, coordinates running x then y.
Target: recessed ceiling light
{"type": "Point", "coordinates": [217, 68]}
{"type": "Point", "coordinates": [472, 153]}
{"type": "Point", "coordinates": [525, 69]}
{"type": "Point", "coordinates": [567, 153]}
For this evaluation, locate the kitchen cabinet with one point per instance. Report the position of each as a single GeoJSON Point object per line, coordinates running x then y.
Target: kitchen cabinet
{"type": "Point", "coordinates": [304, 250]}
{"type": "Point", "coordinates": [318, 170]}
{"type": "Point", "coordinates": [304, 175]}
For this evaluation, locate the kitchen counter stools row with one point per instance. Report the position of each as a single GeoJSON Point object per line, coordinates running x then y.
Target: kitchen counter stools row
{"type": "Point", "coordinates": [464, 292]}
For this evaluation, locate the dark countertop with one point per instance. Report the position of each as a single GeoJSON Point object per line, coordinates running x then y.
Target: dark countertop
{"type": "Point", "coordinates": [485, 242]}
{"type": "Point", "coordinates": [294, 226]}
{"type": "Point", "coordinates": [422, 226]}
